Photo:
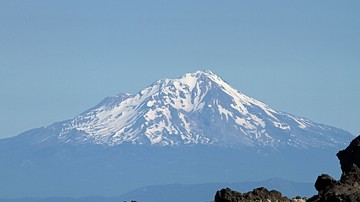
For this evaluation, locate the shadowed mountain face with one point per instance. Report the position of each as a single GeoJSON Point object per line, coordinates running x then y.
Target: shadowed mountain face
{"type": "Point", "coordinates": [194, 129]}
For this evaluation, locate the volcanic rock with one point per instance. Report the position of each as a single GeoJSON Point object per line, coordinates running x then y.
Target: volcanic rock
{"type": "Point", "coordinates": [350, 163]}
{"type": "Point", "coordinates": [325, 182]}
{"type": "Point", "coordinates": [259, 194]}
{"type": "Point", "coordinates": [347, 189]}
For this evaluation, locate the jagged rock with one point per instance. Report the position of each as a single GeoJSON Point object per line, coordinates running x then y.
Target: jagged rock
{"type": "Point", "coordinates": [227, 195]}
{"type": "Point", "coordinates": [259, 194]}
{"type": "Point", "coordinates": [352, 177]}
{"type": "Point", "coordinates": [350, 163]}
{"type": "Point", "coordinates": [350, 157]}
{"type": "Point", "coordinates": [336, 195]}
{"type": "Point", "coordinates": [347, 189]}
{"type": "Point", "coordinates": [324, 182]}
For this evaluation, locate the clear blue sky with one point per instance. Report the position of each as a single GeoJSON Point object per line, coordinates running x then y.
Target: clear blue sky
{"type": "Point", "coordinates": [59, 58]}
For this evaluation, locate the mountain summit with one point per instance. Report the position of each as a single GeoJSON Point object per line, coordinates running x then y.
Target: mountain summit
{"type": "Point", "coordinates": [190, 130]}
{"type": "Point", "coordinates": [197, 108]}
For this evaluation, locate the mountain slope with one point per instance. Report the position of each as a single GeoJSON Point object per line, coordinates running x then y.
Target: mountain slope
{"type": "Point", "coordinates": [198, 108]}
{"type": "Point", "coordinates": [191, 130]}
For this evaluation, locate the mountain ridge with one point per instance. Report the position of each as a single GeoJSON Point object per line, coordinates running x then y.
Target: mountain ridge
{"type": "Point", "coordinates": [197, 108]}
{"type": "Point", "coordinates": [124, 143]}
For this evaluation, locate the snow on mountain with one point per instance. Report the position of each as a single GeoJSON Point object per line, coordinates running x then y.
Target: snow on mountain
{"type": "Point", "coordinates": [194, 129]}
{"type": "Point", "coordinates": [198, 108]}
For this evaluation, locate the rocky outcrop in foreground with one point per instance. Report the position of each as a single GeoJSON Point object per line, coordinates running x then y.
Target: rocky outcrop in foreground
{"type": "Point", "coordinates": [259, 194]}
{"type": "Point", "coordinates": [347, 189]}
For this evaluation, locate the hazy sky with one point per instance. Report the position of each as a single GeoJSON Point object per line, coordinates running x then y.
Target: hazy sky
{"type": "Point", "coordinates": [59, 58]}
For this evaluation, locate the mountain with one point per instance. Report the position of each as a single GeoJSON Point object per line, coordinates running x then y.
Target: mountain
{"type": "Point", "coordinates": [190, 130]}
{"type": "Point", "coordinates": [198, 108]}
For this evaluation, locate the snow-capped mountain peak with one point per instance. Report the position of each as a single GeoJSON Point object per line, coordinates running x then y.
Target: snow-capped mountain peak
{"type": "Point", "coordinates": [197, 108]}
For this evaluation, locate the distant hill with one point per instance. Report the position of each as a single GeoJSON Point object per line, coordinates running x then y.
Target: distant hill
{"type": "Point", "coordinates": [189, 193]}
{"type": "Point", "coordinates": [205, 192]}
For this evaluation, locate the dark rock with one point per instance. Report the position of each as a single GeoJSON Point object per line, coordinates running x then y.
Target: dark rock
{"type": "Point", "coordinates": [227, 195]}
{"type": "Point", "coordinates": [336, 197]}
{"type": "Point", "coordinates": [352, 177]}
{"type": "Point", "coordinates": [347, 189]}
{"type": "Point", "coordinates": [350, 157]}
{"type": "Point", "coordinates": [350, 163]}
{"type": "Point", "coordinates": [324, 182]}
{"type": "Point", "coordinates": [259, 194]}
